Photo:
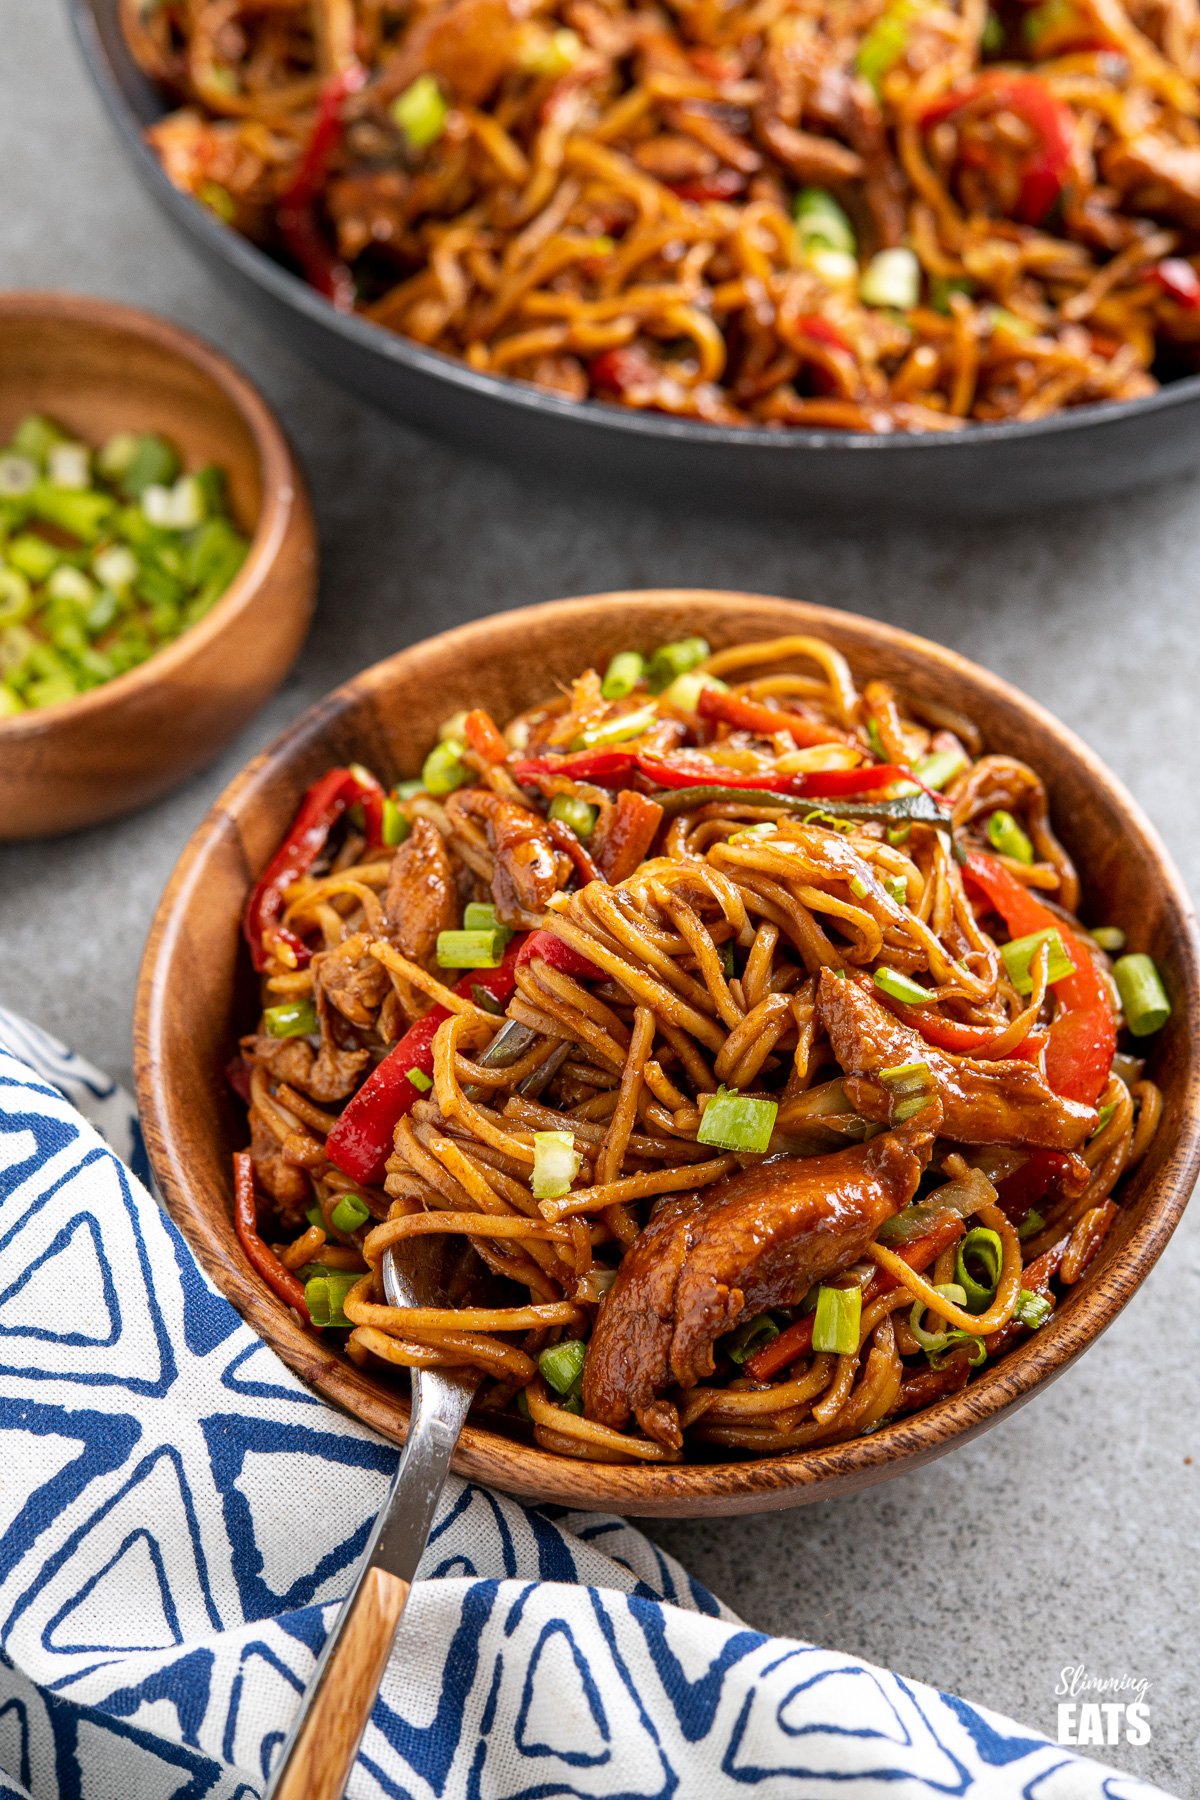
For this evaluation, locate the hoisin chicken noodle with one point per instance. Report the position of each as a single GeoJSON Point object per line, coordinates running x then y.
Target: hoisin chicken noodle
{"type": "Point", "coordinates": [871, 215]}
{"type": "Point", "coordinates": [737, 1009]}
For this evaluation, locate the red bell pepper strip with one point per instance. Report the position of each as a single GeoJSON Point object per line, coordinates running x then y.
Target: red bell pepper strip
{"type": "Point", "coordinates": [1033, 1180]}
{"type": "Point", "coordinates": [685, 770]}
{"type": "Point", "coordinates": [543, 946]}
{"type": "Point", "coordinates": [1048, 164]}
{"type": "Point", "coordinates": [628, 833]}
{"type": "Point", "coordinates": [1083, 1034]}
{"type": "Point", "coordinates": [748, 715]}
{"type": "Point", "coordinates": [484, 736]}
{"type": "Point", "coordinates": [260, 1256]}
{"type": "Point", "coordinates": [605, 767]}
{"type": "Point", "coordinates": [1179, 281]}
{"type": "Point", "coordinates": [625, 368]}
{"type": "Point", "coordinates": [962, 1040]}
{"type": "Point", "coordinates": [319, 812]}
{"type": "Point", "coordinates": [722, 184]}
{"type": "Point", "coordinates": [361, 1141]}
{"type": "Point", "coordinates": [296, 211]}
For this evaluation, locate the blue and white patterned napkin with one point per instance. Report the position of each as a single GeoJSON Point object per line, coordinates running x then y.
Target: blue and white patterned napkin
{"type": "Point", "coordinates": [179, 1516]}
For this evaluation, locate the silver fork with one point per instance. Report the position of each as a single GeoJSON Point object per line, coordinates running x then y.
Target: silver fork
{"type": "Point", "coordinates": [321, 1746]}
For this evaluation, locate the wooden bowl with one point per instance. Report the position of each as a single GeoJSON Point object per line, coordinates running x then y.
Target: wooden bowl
{"type": "Point", "coordinates": [196, 990]}
{"type": "Point", "coordinates": [99, 368]}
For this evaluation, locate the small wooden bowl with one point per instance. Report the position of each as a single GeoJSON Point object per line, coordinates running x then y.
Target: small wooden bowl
{"type": "Point", "coordinates": [99, 368]}
{"type": "Point", "coordinates": [196, 990]}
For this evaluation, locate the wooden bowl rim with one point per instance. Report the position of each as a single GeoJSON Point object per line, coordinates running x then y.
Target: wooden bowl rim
{"type": "Point", "coordinates": [753, 1484]}
{"type": "Point", "coordinates": [284, 494]}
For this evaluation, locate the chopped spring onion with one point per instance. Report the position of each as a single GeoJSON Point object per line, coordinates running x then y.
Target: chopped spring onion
{"type": "Point", "coordinates": [1007, 837]}
{"type": "Point", "coordinates": [892, 278]}
{"type": "Point", "coordinates": [1032, 1310]}
{"type": "Point", "coordinates": [910, 1086]}
{"type": "Point", "coordinates": [470, 949]}
{"type": "Point", "coordinates": [837, 268]}
{"type": "Point", "coordinates": [315, 1216]}
{"type": "Point", "coordinates": [70, 584]}
{"type": "Point", "coordinates": [349, 1214]}
{"type": "Point", "coordinates": [935, 1344]}
{"type": "Point", "coordinates": [181, 507]}
{"type": "Point", "coordinates": [443, 769]}
{"type": "Point", "coordinates": [859, 888]}
{"type": "Point", "coordinates": [1031, 1224]}
{"type": "Point", "coordinates": [549, 53]}
{"type": "Point", "coordinates": [36, 436]}
{"type": "Point", "coordinates": [1143, 996]}
{"type": "Point", "coordinates": [733, 1121]}
{"type": "Point", "coordinates": [982, 1248]}
{"type": "Point", "coordinates": [902, 987]}
{"type": "Point", "coordinates": [154, 463]}
{"type": "Point", "coordinates": [393, 826]}
{"type": "Point", "coordinates": [291, 1018]}
{"type": "Point", "coordinates": [556, 1163]}
{"type": "Point", "coordinates": [896, 888]}
{"type": "Point", "coordinates": [749, 1336]}
{"type": "Point", "coordinates": [481, 915]}
{"type": "Point", "coordinates": [728, 965]}
{"type": "Point", "coordinates": [898, 834]}
{"type": "Point", "coordinates": [670, 660]}
{"type": "Point", "coordinates": [577, 815]}
{"type": "Point", "coordinates": [685, 691]}
{"type": "Point", "coordinates": [453, 727]}
{"type": "Point", "coordinates": [617, 730]}
{"type": "Point", "coordinates": [1102, 1117]}
{"type": "Point", "coordinates": [992, 37]}
{"type": "Point", "coordinates": [936, 770]}
{"type": "Point", "coordinates": [1018, 956]}
{"type": "Point", "coordinates": [561, 1365]}
{"type": "Point", "coordinates": [115, 455]}
{"type": "Point", "coordinates": [420, 112]}
{"type": "Point", "coordinates": [623, 674]}
{"type": "Point", "coordinates": [17, 476]}
{"type": "Point", "coordinates": [407, 790]}
{"type": "Point", "coordinates": [69, 466]}
{"type": "Point", "coordinates": [325, 1298]}
{"type": "Point", "coordinates": [419, 1079]}
{"type": "Point", "coordinates": [82, 515]}
{"type": "Point", "coordinates": [942, 289]}
{"type": "Point", "coordinates": [115, 567]}
{"type": "Point", "coordinates": [1110, 938]}
{"type": "Point", "coordinates": [16, 596]}
{"type": "Point", "coordinates": [886, 42]}
{"type": "Point", "coordinates": [821, 221]}
{"type": "Point", "coordinates": [838, 1320]}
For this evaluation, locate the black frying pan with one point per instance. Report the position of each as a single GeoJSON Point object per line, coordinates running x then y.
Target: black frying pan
{"type": "Point", "coordinates": [984, 470]}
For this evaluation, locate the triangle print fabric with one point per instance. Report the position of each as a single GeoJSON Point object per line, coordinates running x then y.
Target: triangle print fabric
{"type": "Point", "coordinates": [179, 1516]}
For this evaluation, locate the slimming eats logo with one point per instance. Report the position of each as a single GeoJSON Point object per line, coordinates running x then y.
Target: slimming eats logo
{"type": "Point", "coordinates": [1101, 1709]}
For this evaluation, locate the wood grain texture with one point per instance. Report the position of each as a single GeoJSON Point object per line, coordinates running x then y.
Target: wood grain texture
{"type": "Point", "coordinates": [324, 1752]}
{"type": "Point", "coordinates": [196, 992]}
{"type": "Point", "coordinates": [99, 368]}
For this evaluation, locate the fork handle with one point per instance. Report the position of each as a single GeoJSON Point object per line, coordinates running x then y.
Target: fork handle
{"type": "Point", "coordinates": [323, 1753]}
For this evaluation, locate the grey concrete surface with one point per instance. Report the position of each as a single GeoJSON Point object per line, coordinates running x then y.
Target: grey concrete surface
{"type": "Point", "coordinates": [1066, 1536]}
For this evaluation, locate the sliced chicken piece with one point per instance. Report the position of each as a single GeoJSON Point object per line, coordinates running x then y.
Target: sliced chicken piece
{"type": "Point", "coordinates": [757, 1239]}
{"type": "Point", "coordinates": [351, 980]}
{"type": "Point", "coordinates": [421, 898]}
{"type": "Point", "coordinates": [1002, 1102]}
{"type": "Point", "coordinates": [1157, 176]}
{"type": "Point", "coordinates": [527, 867]}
